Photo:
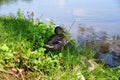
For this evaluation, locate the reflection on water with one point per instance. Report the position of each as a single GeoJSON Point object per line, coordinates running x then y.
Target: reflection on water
{"type": "Point", "coordinates": [106, 48]}
{"type": "Point", "coordinates": [102, 15]}
{"type": "Point", "coordinates": [7, 1]}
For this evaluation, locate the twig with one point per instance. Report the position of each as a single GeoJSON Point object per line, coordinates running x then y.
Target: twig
{"type": "Point", "coordinates": [6, 77]}
{"type": "Point", "coordinates": [10, 73]}
{"type": "Point", "coordinates": [72, 25]}
{"type": "Point", "coordinates": [20, 71]}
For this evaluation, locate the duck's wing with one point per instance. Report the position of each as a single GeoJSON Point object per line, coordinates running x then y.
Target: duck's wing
{"type": "Point", "coordinates": [56, 41]}
{"type": "Point", "coordinates": [51, 39]}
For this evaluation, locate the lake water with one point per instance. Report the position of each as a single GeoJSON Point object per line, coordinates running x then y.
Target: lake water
{"type": "Point", "coordinates": [101, 14]}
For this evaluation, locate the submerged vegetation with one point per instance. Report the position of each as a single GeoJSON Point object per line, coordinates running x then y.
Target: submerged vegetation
{"type": "Point", "coordinates": [23, 54]}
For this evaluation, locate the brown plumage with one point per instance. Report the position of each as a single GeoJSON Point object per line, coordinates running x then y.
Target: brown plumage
{"type": "Point", "coordinates": [57, 40]}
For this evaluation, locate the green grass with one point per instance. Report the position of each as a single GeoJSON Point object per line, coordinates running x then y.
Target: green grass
{"type": "Point", "coordinates": [22, 47]}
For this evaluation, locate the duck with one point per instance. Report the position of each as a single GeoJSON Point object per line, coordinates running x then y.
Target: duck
{"type": "Point", "coordinates": [57, 40]}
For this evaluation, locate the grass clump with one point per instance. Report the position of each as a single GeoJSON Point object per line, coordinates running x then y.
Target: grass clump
{"type": "Point", "coordinates": [23, 55]}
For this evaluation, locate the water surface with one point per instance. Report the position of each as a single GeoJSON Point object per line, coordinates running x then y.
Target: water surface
{"type": "Point", "coordinates": [101, 14]}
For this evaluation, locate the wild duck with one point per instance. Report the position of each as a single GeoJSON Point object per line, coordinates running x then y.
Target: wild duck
{"type": "Point", "coordinates": [57, 40]}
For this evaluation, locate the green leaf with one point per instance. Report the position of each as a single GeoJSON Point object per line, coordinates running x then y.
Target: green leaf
{"type": "Point", "coordinates": [48, 19]}
{"type": "Point", "coordinates": [1, 68]}
{"type": "Point", "coordinates": [4, 47]}
{"type": "Point", "coordinates": [51, 22]}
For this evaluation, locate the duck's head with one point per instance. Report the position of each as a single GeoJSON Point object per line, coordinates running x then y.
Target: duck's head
{"type": "Point", "coordinates": [59, 30]}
